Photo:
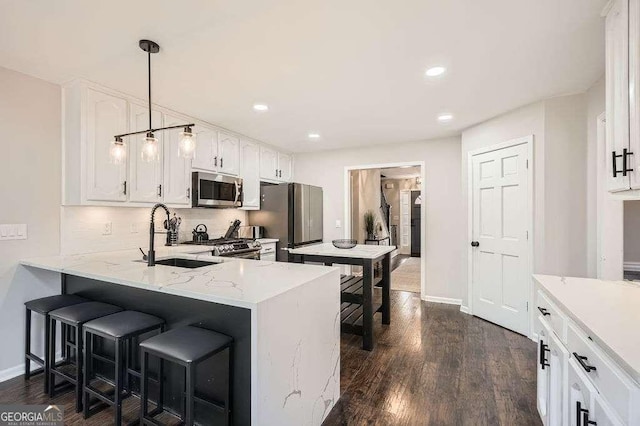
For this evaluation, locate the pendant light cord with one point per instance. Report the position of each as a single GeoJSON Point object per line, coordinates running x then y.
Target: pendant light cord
{"type": "Point", "coordinates": [149, 70]}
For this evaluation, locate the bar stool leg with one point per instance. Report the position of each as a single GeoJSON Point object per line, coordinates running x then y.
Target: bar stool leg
{"type": "Point", "coordinates": [228, 396]}
{"type": "Point", "coordinates": [48, 359]}
{"type": "Point", "coordinates": [144, 387]}
{"type": "Point", "coordinates": [27, 345]}
{"type": "Point", "coordinates": [88, 355]}
{"type": "Point", "coordinates": [190, 403]}
{"type": "Point", "coordinates": [51, 354]}
{"type": "Point", "coordinates": [118, 383]}
{"type": "Point", "coordinates": [79, 375]}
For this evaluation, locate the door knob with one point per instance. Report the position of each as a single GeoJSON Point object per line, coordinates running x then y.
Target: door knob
{"type": "Point", "coordinates": [474, 244]}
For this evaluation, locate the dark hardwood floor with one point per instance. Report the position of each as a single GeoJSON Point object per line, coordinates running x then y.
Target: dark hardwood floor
{"type": "Point", "coordinates": [437, 366]}
{"type": "Point", "coordinates": [432, 366]}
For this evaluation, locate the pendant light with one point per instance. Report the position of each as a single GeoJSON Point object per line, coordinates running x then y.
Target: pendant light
{"type": "Point", "coordinates": [150, 150]}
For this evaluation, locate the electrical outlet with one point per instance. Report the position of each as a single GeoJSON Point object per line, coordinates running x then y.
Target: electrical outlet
{"type": "Point", "coordinates": [106, 229]}
{"type": "Point", "coordinates": [13, 231]}
{"type": "Point", "coordinates": [338, 224]}
{"type": "Point", "coordinates": [133, 228]}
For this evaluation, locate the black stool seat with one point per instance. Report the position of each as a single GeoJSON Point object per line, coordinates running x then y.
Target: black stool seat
{"type": "Point", "coordinates": [83, 312]}
{"type": "Point", "coordinates": [186, 344]}
{"type": "Point", "coordinates": [45, 305]}
{"type": "Point", "coordinates": [123, 324]}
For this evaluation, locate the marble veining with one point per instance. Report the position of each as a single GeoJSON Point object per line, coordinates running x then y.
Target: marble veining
{"type": "Point", "coordinates": [237, 282]}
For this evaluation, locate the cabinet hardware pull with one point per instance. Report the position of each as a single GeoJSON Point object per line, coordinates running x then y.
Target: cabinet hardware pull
{"type": "Point", "coordinates": [160, 190]}
{"type": "Point", "coordinates": [614, 161]}
{"type": "Point", "coordinates": [475, 243]}
{"type": "Point", "coordinates": [188, 193]}
{"type": "Point", "coordinates": [276, 172]}
{"type": "Point", "coordinates": [581, 360]}
{"type": "Point", "coordinates": [582, 416]}
{"type": "Point", "coordinates": [124, 187]}
{"type": "Point", "coordinates": [215, 161]}
{"type": "Point", "coordinates": [221, 159]}
{"type": "Point", "coordinates": [543, 311]}
{"type": "Point", "coordinates": [280, 173]}
{"type": "Point", "coordinates": [625, 154]}
{"type": "Point", "coordinates": [543, 354]}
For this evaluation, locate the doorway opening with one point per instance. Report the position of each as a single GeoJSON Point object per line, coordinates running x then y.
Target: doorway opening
{"type": "Point", "coordinates": [393, 195]}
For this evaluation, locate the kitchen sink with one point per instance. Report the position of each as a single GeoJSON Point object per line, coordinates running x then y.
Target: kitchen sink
{"type": "Point", "coordinates": [186, 263]}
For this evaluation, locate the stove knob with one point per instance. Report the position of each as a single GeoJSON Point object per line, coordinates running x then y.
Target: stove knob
{"type": "Point", "coordinates": [226, 247]}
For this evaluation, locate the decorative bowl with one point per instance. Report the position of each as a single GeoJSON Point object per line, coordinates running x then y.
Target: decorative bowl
{"type": "Point", "coordinates": [344, 244]}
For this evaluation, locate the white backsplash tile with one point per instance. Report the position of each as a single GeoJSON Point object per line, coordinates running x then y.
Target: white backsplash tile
{"type": "Point", "coordinates": [82, 227]}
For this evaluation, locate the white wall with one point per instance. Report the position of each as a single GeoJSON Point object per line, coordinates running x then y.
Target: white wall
{"type": "Point", "coordinates": [595, 99]}
{"type": "Point", "coordinates": [30, 193]}
{"type": "Point", "coordinates": [558, 126]}
{"type": "Point", "coordinates": [445, 236]}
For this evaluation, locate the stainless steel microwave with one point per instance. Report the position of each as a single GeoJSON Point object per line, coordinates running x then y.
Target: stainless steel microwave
{"type": "Point", "coordinates": [216, 190]}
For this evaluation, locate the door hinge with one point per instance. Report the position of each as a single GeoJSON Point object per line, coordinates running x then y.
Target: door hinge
{"type": "Point", "coordinates": [527, 163]}
{"type": "Point", "coordinates": [527, 235]}
{"type": "Point", "coordinates": [527, 306]}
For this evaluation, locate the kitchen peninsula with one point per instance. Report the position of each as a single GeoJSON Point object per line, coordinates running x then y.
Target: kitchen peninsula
{"type": "Point", "coordinates": [284, 319]}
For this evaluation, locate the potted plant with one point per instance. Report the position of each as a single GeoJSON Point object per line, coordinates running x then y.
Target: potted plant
{"type": "Point", "coordinates": [369, 224]}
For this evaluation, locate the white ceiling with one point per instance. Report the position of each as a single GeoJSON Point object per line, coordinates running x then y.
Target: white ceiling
{"type": "Point", "coordinates": [352, 71]}
{"type": "Point", "coordinates": [400, 172]}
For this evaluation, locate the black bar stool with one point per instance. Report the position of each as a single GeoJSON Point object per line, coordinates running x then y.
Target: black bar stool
{"type": "Point", "coordinates": [186, 346]}
{"type": "Point", "coordinates": [74, 316]}
{"type": "Point", "coordinates": [122, 328]}
{"type": "Point", "coordinates": [43, 306]}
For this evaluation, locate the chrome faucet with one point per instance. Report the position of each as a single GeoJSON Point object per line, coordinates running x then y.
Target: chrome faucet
{"type": "Point", "coordinates": [151, 257]}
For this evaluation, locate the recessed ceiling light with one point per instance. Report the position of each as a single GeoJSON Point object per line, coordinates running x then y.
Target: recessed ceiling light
{"type": "Point", "coordinates": [443, 118]}
{"type": "Point", "coordinates": [261, 107]}
{"type": "Point", "coordinates": [313, 136]}
{"type": "Point", "coordinates": [435, 71]}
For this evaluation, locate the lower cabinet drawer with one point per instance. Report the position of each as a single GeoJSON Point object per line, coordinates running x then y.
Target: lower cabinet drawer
{"type": "Point", "coordinates": [612, 384]}
{"type": "Point", "coordinates": [554, 317]}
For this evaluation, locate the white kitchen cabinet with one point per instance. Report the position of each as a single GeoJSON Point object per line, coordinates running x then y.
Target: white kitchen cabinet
{"type": "Point", "coordinates": [145, 177]}
{"type": "Point", "coordinates": [106, 116]}
{"type": "Point", "coordinates": [250, 174]}
{"type": "Point", "coordinates": [268, 250]}
{"type": "Point", "coordinates": [206, 154]}
{"type": "Point", "coordinates": [551, 376]}
{"type": "Point", "coordinates": [602, 414]}
{"type": "Point", "coordinates": [580, 395]}
{"type": "Point", "coordinates": [285, 167]}
{"type": "Point", "coordinates": [229, 153]}
{"type": "Point", "coordinates": [176, 186]}
{"type": "Point", "coordinates": [268, 164]}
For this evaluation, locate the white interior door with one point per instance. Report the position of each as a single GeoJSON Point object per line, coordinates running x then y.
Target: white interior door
{"type": "Point", "coordinates": [500, 230]}
{"type": "Point", "coordinates": [405, 222]}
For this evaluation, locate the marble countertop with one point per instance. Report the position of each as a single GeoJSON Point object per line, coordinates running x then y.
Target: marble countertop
{"type": "Point", "coordinates": [236, 282]}
{"type": "Point", "coordinates": [609, 311]}
{"type": "Point", "coordinates": [362, 251]}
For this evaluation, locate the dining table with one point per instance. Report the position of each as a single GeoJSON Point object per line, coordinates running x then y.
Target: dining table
{"type": "Point", "coordinates": [358, 304]}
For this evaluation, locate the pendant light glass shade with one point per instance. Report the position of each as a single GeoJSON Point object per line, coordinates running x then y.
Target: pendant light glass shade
{"type": "Point", "coordinates": [187, 145]}
{"type": "Point", "coordinates": [150, 148]}
{"type": "Point", "coordinates": [117, 151]}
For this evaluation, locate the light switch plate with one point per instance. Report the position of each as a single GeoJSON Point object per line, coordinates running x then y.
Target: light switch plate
{"type": "Point", "coordinates": [13, 231]}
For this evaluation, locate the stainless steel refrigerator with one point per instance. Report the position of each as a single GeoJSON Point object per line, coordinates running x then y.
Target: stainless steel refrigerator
{"type": "Point", "coordinates": [290, 212]}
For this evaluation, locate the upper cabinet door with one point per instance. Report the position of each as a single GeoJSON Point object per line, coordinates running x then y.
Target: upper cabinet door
{"type": "Point", "coordinates": [229, 152]}
{"type": "Point", "coordinates": [634, 90]}
{"type": "Point", "coordinates": [145, 177]}
{"type": "Point", "coordinates": [617, 97]}
{"type": "Point", "coordinates": [206, 155]}
{"type": "Point", "coordinates": [250, 173]}
{"type": "Point", "coordinates": [285, 172]}
{"type": "Point", "coordinates": [269, 164]}
{"type": "Point", "coordinates": [177, 170]}
{"type": "Point", "coordinates": [106, 117]}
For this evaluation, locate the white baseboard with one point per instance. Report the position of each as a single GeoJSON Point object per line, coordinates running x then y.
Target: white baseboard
{"type": "Point", "coordinates": [18, 370]}
{"type": "Point", "coordinates": [632, 266]}
{"type": "Point", "coordinates": [464, 309]}
{"type": "Point", "coordinates": [446, 300]}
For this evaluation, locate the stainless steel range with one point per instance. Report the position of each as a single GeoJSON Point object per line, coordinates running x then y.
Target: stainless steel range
{"type": "Point", "coordinates": [232, 247]}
